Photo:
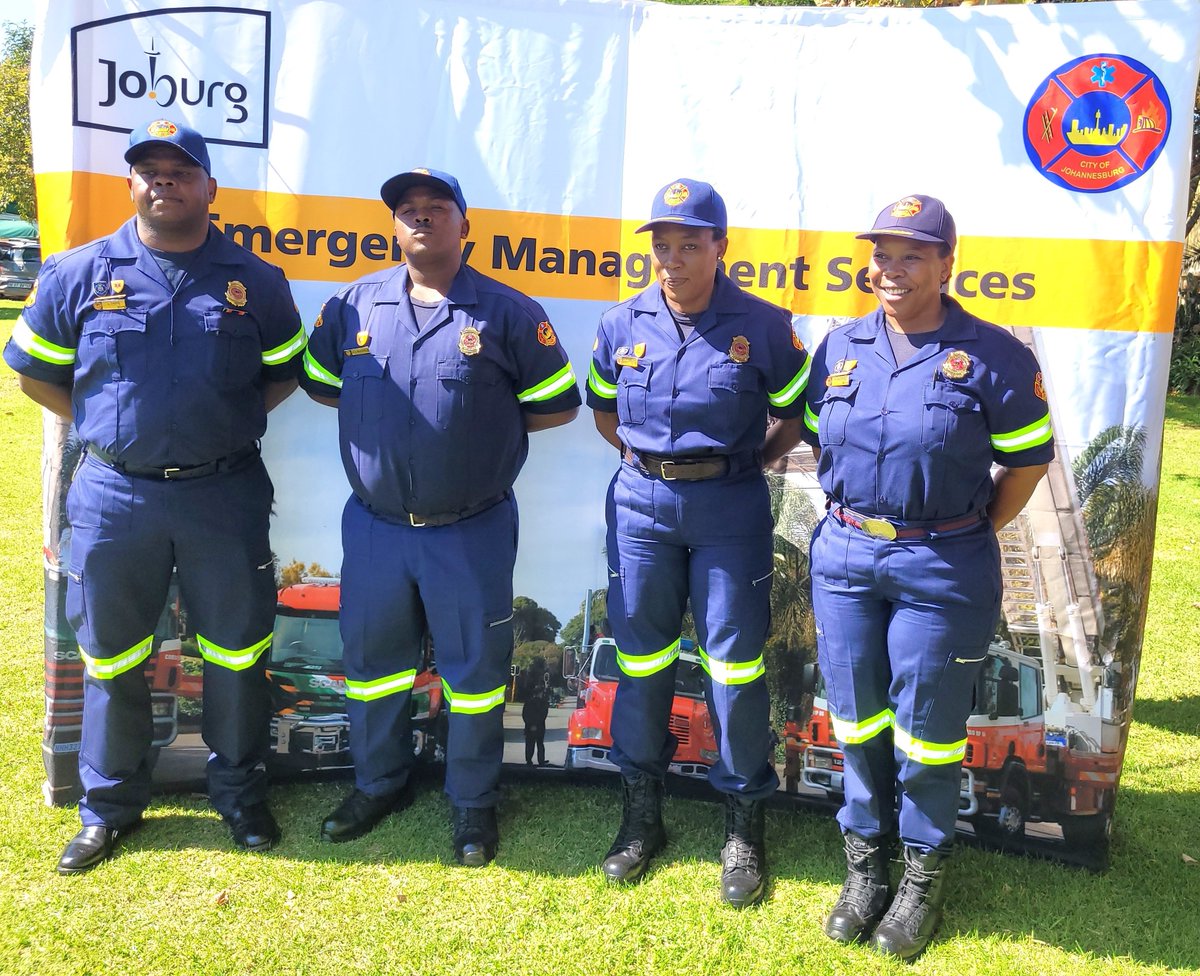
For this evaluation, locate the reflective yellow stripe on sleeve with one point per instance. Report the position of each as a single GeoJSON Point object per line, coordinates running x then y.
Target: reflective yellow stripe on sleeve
{"type": "Point", "coordinates": [795, 386]}
{"type": "Point", "coordinates": [549, 388]}
{"type": "Point", "coordinates": [599, 385]}
{"type": "Point", "coordinates": [34, 345]}
{"type": "Point", "coordinates": [811, 420]}
{"type": "Point", "coordinates": [282, 353]}
{"type": "Point", "coordinates": [315, 371]}
{"type": "Point", "coordinates": [1028, 436]}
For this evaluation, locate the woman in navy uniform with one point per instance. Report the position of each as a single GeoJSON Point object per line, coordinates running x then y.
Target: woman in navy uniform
{"type": "Point", "coordinates": [683, 377]}
{"type": "Point", "coordinates": [908, 409]}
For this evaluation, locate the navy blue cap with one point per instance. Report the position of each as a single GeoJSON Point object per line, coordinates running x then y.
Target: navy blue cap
{"type": "Point", "coordinates": [393, 189]}
{"type": "Point", "coordinates": [164, 132]}
{"type": "Point", "coordinates": [918, 217]}
{"type": "Point", "coordinates": [690, 203]}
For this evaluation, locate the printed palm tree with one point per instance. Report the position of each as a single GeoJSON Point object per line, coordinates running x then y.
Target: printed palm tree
{"type": "Point", "coordinates": [1118, 513]}
{"type": "Point", "coordinates": [792, 640]}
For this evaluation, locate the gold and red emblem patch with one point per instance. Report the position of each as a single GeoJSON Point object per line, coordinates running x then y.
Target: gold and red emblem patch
{"type": "Point", "coordinates": [797, 343]}
{"type": "Point", "coordinates": [956, 365]}
{"type": "Point", "coordinates": [1039, 388]}
{"type": "Point", "coordinates": [32, 296]}
{"type": "Point", "coordinates": [162, 128]}
{"type": "Point", "coordinates": [739, 349]}
{"type": "Point", "coordinates": [908, 207]}
{"type": "Point", "coordinates": [675, 194]}
{"type": "Point", "coordinates": [545, 334]}
{"type": "Point", "coordinates": [469, 341]}
{"type": "Point", "coordinates": [235, 294]}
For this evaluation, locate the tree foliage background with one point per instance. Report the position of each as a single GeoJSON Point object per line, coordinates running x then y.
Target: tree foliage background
{"type": "Point", "coordinates": [16, 144]}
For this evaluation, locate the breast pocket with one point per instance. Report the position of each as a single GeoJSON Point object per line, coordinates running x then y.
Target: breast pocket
{"type": "Point", "coordinates": [836, 408]}
{"type": "Point", "coordinates": [233, 348]}
{"type": "Point", "coordinates": [118, 341]}
{"type": "Point", "coordinates": [633, 385]}
{"type": "Point", "coordinates": [362, 387]}
{"type": "Point", "coordinates": [461, 383]}
{"type": "Point", "coordinates": [950, 415]}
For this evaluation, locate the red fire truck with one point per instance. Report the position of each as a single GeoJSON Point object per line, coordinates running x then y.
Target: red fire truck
{"type": "Point", "coordinates": [1024, 763]}
{"type": "Point", "coordinates": [589, 738]}
{"type": "Point", "coordinates": [308, 683]}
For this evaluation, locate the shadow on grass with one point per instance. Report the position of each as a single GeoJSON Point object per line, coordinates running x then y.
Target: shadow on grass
{"type": "Point", "coordinates": [1180, 715]}
{"type": "Point", "coordinates": [1184, 410]}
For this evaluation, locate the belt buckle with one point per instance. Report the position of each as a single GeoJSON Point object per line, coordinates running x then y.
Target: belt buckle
{"type": "Point", "coordinates": [662, 469]}
{"type": "Point", "coordinates": [415, 522]}
{"type": "Point", "coordinates": [169, 473]}
{"type": "Point", "coordinates": [879, 528]}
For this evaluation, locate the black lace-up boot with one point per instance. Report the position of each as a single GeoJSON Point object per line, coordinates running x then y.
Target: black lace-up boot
{"type": "Point", "coordinates": [641, 834]}
{"type": "Point", "coordinates": [476, 835]}
{"type": "Point", "coordinates": [864, 896]}
{"type": "Point", "coordinates": [744, 856]}
{"type": "Point", "coordinates": [916, 910]}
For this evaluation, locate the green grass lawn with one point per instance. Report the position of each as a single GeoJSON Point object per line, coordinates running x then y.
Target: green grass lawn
{"type": "Point", "coordinates": [178, 900]}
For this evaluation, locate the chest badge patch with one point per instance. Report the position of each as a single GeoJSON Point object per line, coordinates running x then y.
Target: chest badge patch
{"type": "Point", "coordinates": [956, 365]}
{"type": "Point", "coordinates": [739, 349]}
{"type": "Point", "coordinates": [362, 337]}
{"type": "Point", "coordinates": [235, 294]}
{"type": "Point", "coordinates": [469, 341]}
{"type": "Point", "coordinates": [545, 334]}
{"type": "Point", "coordinates": [840, 376]}
{"type": "Point", "coordinates": [626, 356]}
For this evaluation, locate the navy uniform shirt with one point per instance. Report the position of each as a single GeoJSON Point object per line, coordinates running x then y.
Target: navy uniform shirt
{"type": "Point", "coordinates": [432, 421]}
{"type": "Point", "coordinates": [709, 394]}
{"type": "Point", "coordinates": [161, 378]}
{"type": "Point", "coordinates": [916, 443]}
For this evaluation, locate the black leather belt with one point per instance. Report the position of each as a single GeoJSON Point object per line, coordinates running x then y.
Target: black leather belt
{"type": "Point", "coordinates": [882, 528]}
{"type": "Point", "coordinates": [449, 518]}
{"type": "Point", "coordinates": [227, 463]}
{"type": "Point", "coordinates": [679, 469]}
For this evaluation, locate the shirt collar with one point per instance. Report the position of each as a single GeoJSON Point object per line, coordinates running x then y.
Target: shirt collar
{"type": "Point", "coordinates": [958, 324]}
{"type": "Point", "coordinates": [727, 298]}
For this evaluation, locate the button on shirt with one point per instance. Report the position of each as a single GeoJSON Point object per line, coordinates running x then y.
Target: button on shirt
{"type": "Point", "coordinates": [916, 443]}
{"type": "Point", "coordinates": [162, 377]}
{"type": "Point", "coordinates": [432, 420]}
{"type": "Point", "coordinates": [707, 394]}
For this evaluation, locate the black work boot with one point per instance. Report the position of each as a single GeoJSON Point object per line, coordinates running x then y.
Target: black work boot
{"type": "Point", "coordinates": [744, 856]}
{"type": "Point", "coordinates": [641, 834]}
{"type": "Point", "coordinates": [864, 896]}
{"type": "Point", "coordinates": [916, 910]}
{"type": "Point", "coordinates": [476, 835]}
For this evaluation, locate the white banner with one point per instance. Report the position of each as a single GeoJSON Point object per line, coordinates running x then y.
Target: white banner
{"type": "Point", "coordinates": [1059, 137]}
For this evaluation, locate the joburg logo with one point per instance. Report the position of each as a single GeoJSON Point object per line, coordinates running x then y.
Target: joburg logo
{"type": "Point", "coordinates": [205, 65]}
{"type": "Point", "coordinates": [1097, 123]}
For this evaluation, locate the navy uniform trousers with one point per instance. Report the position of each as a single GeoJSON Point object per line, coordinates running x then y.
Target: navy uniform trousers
{"type": "Point", "coordinates": [455, 581]}
{"type": "Point", "coordinates": [126, 535]}
{"type": "Point", "coordinates": [710, 540]}
{"type": "Point", "coordinates": [903, 628]}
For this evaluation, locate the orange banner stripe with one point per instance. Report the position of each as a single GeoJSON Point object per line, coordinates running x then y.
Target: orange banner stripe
{"type": "Point", "coordinates": [1125, 286]}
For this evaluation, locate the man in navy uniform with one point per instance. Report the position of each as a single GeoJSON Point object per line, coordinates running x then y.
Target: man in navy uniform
{"type": "Point", "coordinates": [167, 344]}
{"type": "Point", "coordinates": [438, 374]}
{"type": "Point", "coordinates": [682, 381]}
